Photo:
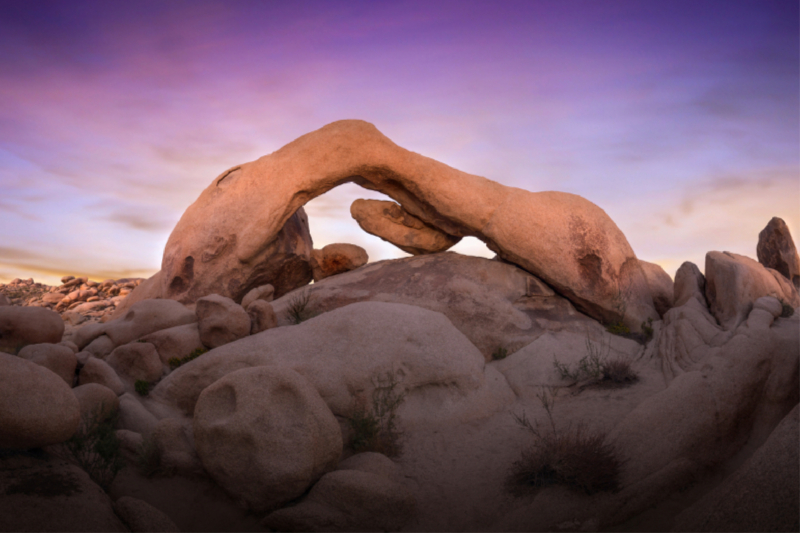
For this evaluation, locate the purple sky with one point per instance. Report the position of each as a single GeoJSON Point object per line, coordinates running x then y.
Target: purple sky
{"type": "Point", "coordinates": [680, 119]}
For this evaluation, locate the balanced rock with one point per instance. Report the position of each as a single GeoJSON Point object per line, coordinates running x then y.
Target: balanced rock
{"type": "Point", "coordinates": [58, 359]}
{"type": "Point", "coordinates": [337, 258]}
{"type": "Point", "coordinates": [734, 282]}
{"type": "Point", "coordinates": [21, 326]}
{"type": "Point", "coordinates": [265, 435]}
{"type": "Point", "coordinates": [661, 286]}
{"type": "Point", "coordinates": [393, 224]}
{"type": "Point", "coordinates": [776, 250]}
{"type": "Point", "coordinates": [221, 320]}
{"type": "Point", "coordinates": [36, 407]}
{"type": "Point", "coordinates": [237, 226]}
{"type": "Point", "coordinates": [264, 292]}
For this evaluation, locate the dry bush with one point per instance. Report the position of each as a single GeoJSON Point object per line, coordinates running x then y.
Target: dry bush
{"type": "Point", "coordinates": [96, 448]}
{"type": "Point", "coordinates": [374, 429]}
{"type": "Point", "coordinates": [297, 310]}
{"type": "Point", "coordinates": [575, 457]}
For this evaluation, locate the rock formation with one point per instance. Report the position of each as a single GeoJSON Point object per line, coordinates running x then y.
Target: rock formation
{"type": "Point", "coordinates": [393, 224]}
{"type": "Point", "coordinates": [776, 250]}
{"type": "Point", "coordinates": [228, 241]}
{"type": "Point", "coordinates": [399, 395]}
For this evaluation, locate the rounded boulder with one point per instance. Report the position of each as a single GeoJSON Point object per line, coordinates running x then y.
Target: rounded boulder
{"type": "Point", "coordinates": [265, 435]}
{"type": "Point", "coordinates": [21, 326]}
{"type": "Point", "coordinates": [36, 407]}
{"type": "Point", "coordinates": [221, 320]}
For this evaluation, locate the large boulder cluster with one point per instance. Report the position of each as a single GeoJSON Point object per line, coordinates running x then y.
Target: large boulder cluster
{"type": "Point", "coordinates": [398, 395]}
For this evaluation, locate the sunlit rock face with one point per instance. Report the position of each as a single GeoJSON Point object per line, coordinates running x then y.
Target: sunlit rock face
{"type": "Point", "coordinates": [247, 229]}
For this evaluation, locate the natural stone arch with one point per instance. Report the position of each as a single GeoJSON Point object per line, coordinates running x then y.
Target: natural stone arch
{"type": "Point", "coordinates": [239, 222]}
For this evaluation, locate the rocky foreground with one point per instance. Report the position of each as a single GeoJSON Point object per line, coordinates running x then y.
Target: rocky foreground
{"type": "Point", "coordinates": [439, 392]}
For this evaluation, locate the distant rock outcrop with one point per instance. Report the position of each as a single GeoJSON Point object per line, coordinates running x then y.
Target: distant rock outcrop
{"type": "Point", "coordinates": [776, 250]}
{"type": "Point", "coordinates": [250, 219]}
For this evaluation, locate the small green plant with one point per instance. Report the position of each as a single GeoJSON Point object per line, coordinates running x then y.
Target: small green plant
{"type": "Point", "coordinates": [297, 310]}
{"type": "Point", "coordinates": [149, 457]}
{"type": "Point", "coordinates": [618, 328]}
{"type": "Point", "coordinates": [575, 458]}
{"type": "Point", "coordinates": [647, 330]}
{"type": "Point", "coordinates": [787, 310]}
{"type": "Point", "coordinates": [375, 429]}
{"type": "Point", "coordinates": [96, 448]}
{"type": "Point", "coordinates": [499, 353]}
{"type": "Point", "coordinates": [142, 387]}
{"type": "Point", "coordinates": [175, 362]}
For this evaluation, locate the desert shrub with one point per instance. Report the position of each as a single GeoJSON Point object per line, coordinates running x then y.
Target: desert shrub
{"type": "Point", "coordinates": [787, 310]}
{"type": "Point", "coordinates": [142, 387]}
{"type": "Point", "coordinates": [575, 458]}
{"type": "Point", "coordinates": [298, 311]}
{"type": "Point", "coordinates": [175, 362]}
{"type": "Point", "coordinates": [618, 328]}
{"type": "Point", "coordinates": [148, 457]}
{"type": "Point", "coordinates": [375, 429]}
{"type": "Point", "coordinates": [499, 353]}
{"type": "Point", "coordinates": [618, 372]}
{"type": "Point", "coordinates": [596, 368]}
{"type": "Point", "coordinates": [96, 448]}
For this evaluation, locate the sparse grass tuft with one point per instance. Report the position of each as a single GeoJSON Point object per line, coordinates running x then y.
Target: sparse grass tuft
{"type": "Point", "coordinates": [499, 353]}
{"type": "Point", "coordinates": [597, 369]}
{"type": "Point", "coordinates": [175, 362]}
{"type": "Point", "coordinates": [298, 311]}
{"type": "Point", "coordinates": [787, 310]}
{"type": "Point", "coordinates": [96, 448]}
{"type": "Point", "coordinates": [575, 458]}
{"type": "Point", "coordinates": [375, 430]}
{"type": "Point", "coordinates": [142, 387]}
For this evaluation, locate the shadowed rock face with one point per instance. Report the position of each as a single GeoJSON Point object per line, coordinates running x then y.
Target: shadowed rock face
{"type": "Point", "coordinates": [234, 228]}
{"type": "Point", "coordinates": [212, 266]}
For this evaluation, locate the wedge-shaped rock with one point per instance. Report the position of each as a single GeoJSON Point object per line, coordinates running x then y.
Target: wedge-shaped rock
{"type": "Point", "coordinates": [776, 250]}
{"type": "Point", "coordinates": [265, 435]}
{"type": "Point", "coordinates": [393, 224]}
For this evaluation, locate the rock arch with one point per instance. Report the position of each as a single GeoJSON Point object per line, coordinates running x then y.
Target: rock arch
{"type": "Point", "coordinates": [252, 213]}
